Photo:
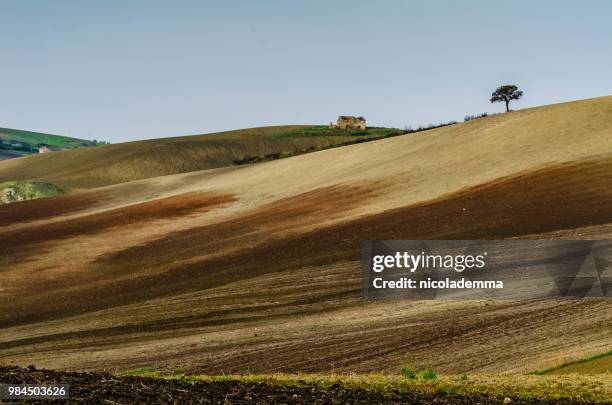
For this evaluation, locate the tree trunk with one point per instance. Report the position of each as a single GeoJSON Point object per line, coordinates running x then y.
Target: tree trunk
{"type": "Point", "coordinates": [507, 108]}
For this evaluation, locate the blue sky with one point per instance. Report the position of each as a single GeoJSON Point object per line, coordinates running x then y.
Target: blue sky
{"type": "Point", "coordinates": [126, 70]}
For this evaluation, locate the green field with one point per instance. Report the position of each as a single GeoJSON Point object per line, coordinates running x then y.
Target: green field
{"type": "Point", "coordinates": [35, 139]}
{"type": "Point", "coordinates": [324, 130]}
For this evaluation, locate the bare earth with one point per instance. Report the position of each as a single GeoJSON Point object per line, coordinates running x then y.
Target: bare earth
{"type": "Point", "coordinates": [105, 388]}
{"type": "Point", "coordinates": [256, 268]}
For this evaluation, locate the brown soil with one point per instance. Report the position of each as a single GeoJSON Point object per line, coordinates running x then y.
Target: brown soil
{"type": "Point", "coordinates": [43, 208]}
{"type": "Point", "coordinates": [568, 196]}
{"type": "Point", "coordinates": [103, 388]}
{"type": "Point", "coordinates": [277, 288]}
{"type": "Point", "coordinates": [18, 244]}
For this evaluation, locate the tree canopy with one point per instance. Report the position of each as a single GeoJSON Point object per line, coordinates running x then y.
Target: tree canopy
{"type": "Point", "coordinates": [506, 93]}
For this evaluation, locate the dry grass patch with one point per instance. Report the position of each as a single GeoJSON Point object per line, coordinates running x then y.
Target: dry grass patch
{"type": "Point", "coordinates": [570, 388]}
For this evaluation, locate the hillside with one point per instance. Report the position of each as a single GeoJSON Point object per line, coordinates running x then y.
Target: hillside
{"type": "Point", "coordinates": [118, 163]}
{"type": "Point", "coordinates": [15, 142]}
{"type": "Point", "coordinates": [256, 268]}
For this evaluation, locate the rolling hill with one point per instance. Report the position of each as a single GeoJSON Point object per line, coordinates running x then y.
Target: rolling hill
{"type": "Point", "coordinates": [118, 163]}
{"type": "Point", "coordinates": [16, 143]}
{"type": "Point", "coordinates": [256, 268]}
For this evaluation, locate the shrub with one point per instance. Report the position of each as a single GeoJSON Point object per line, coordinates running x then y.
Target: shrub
{"type": "Point", "coordinates": [408, 129]}
{"type": "Point", "coordinates": [13, 191]}
{"type": "Point", "coordinates": [474, 117]}
{"type": "Point", "coordinates": [408, 372]}
{"type": "Point", "coordinates": [428, 374]}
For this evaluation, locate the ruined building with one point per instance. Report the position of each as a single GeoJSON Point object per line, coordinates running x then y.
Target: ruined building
{"type": "Point", "coordinates": [350, 122]}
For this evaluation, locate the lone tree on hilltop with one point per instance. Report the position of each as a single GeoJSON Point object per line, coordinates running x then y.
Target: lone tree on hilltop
{"type": "Point", "coordinates": [506, 94]}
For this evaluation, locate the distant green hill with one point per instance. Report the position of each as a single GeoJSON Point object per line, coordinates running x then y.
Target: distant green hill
{"type": "Point", "coordinates": [15, 142]}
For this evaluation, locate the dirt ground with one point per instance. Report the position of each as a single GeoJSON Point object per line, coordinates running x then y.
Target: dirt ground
{"type": "Point", "coordinates": [263, 291]}
{"type": "Point", "coordinates": [104, 388]}
{"type": "Point", "coordinates": [256, 269]}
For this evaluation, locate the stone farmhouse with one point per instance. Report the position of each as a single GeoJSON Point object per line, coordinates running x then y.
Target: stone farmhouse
{"type": "Point", "coordinates": [350, 122]}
